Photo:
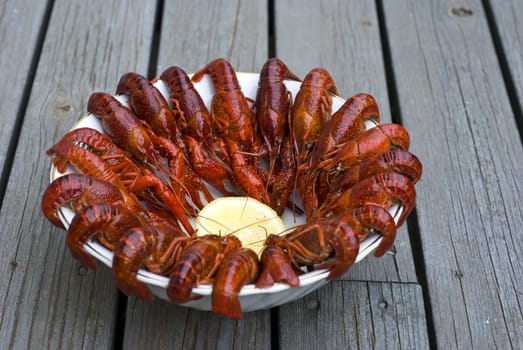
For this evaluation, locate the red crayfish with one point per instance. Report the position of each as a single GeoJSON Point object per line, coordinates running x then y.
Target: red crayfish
{"type": "Point", "coordinates": [136, 187]}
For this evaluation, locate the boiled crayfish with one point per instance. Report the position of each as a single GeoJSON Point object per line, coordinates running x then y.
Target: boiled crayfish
{"type": "Point", "coordinates": [138, 184]}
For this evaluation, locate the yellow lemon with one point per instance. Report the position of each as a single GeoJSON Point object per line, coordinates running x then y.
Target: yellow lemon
{"type": "Point", "coordinates": [248, 219]}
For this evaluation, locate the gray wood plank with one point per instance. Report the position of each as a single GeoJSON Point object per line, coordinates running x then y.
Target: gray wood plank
{"type": "Point", "coordinates": [47, 300]}
{"type": "Point", "coordinates": [469, 203]}
{"type": "Point", "coordinates": [20, 23]}
{"type": "Point", "coordinates": [508, 15]}
{"type": "Point", "coordinates": [194, 33]}
{"type": "Point", "coordinates": [356, 315]}
{"type": "Point", "coordinates": [344, 38]}
{"type": "Point", "coordinates": [162, 325]}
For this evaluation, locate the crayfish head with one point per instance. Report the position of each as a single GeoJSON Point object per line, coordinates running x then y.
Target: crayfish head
{"type": "Point", "coordinates": [101, 104]}
{"type": "Point", "coordinates": [130, 82]}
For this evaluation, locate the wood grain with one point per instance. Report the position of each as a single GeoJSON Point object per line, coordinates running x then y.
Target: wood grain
{"type": "Point", "coordinates": [162, 325]}
{"type": "Point", "coordinates": [344, 38]}
{"type": "Point", "coordinates": [469, 202]}
{"type": "Point", "coordinates": [453, 98]}
{"type": "Point", "coordinates": [356, 315]}
{"type": "Point", "coordinates": [47, 300]}
{"type": "Point", "coordinates": [194, 33]}
{"type": "Point", "coordinates": [20, 24]}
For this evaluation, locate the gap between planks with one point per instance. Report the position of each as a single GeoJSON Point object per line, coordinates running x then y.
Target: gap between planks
{"type": "Point", "coordinates": [24, 101]}
{"type": "Point", "coordinates": [412, 221]}
{"type": "Point", "coordinates": [506, 73]}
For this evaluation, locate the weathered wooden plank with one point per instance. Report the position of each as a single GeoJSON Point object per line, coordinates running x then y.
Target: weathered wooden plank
{"type": "Point", "coordinates": [344, 38]}
{"type": "Point", "coordinates": [469, 202]}
{"type": "Point", "coordinates": [508, 15]}
{"type": "Point", "coordinates": [20, 23]}
{"type": "Point", "coordinates": [339, 36]}
{"type": "Point", "coordinates": [162, 325]}
{"type": "Point", "coordinates": [193, 33]}
{"type": "Point", "coordinates": [47, 300]}
{"type": "Point", "coordinates": [356, 315]}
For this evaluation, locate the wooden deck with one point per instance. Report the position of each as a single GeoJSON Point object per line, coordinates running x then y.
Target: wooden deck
{"type": "Point", "coordinates": [450, 71]}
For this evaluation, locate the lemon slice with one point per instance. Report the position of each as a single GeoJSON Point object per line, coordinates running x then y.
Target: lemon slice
{"type": "Point", "coordinates": [245, 217]}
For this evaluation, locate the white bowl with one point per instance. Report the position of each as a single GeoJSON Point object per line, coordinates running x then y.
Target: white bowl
{"type": "Point", "coordinates": [251, 298]}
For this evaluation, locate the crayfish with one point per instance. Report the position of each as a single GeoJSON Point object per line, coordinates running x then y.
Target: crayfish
{"type": "Point", "coordinates": [160, 154]}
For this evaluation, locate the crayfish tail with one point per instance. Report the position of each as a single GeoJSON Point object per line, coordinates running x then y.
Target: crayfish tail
{"type": "Point", "coordinates": [80, 254]}
{"type": "Point", "coordinates": [178, 290]}
{"type": "Point", "coordinates": [238, 268]}
{"type": "Point", "coordinates": [129, 254]}
{"type": "Point", "coordinates": [276, 268]}
{"type": "Point", "coordinates": [346, 246]}
{"type": "Point", "coordinates": [136, 288]}
{"type": "Point", "coordinates": [266, 279]}
{"type": "Point", "coordinates": [105, 221]}
{"type": "Point", "coordinates": [283, 274]}
{"type": "Point", "coordinates": [227, 305]}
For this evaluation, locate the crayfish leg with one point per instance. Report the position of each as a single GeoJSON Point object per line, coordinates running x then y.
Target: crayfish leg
{"type": "Point", "coordinates": [167, 196]}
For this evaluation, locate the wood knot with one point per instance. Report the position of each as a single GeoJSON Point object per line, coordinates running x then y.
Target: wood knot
{"type": "Point", "coordinates": [313, 304]}
{"type": "Point", "coordinates": [392, 251]}
{"type": "Point", "coordinates": [382, 304]}
{"type": "Point", "coordinates": [458, 274]}
{"type": "Point", "coordinates": [460, 11]}
{"type": "Point", "coordinates": [82, 270]}
{"type": "Point", "coordinates": [64, 107]}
